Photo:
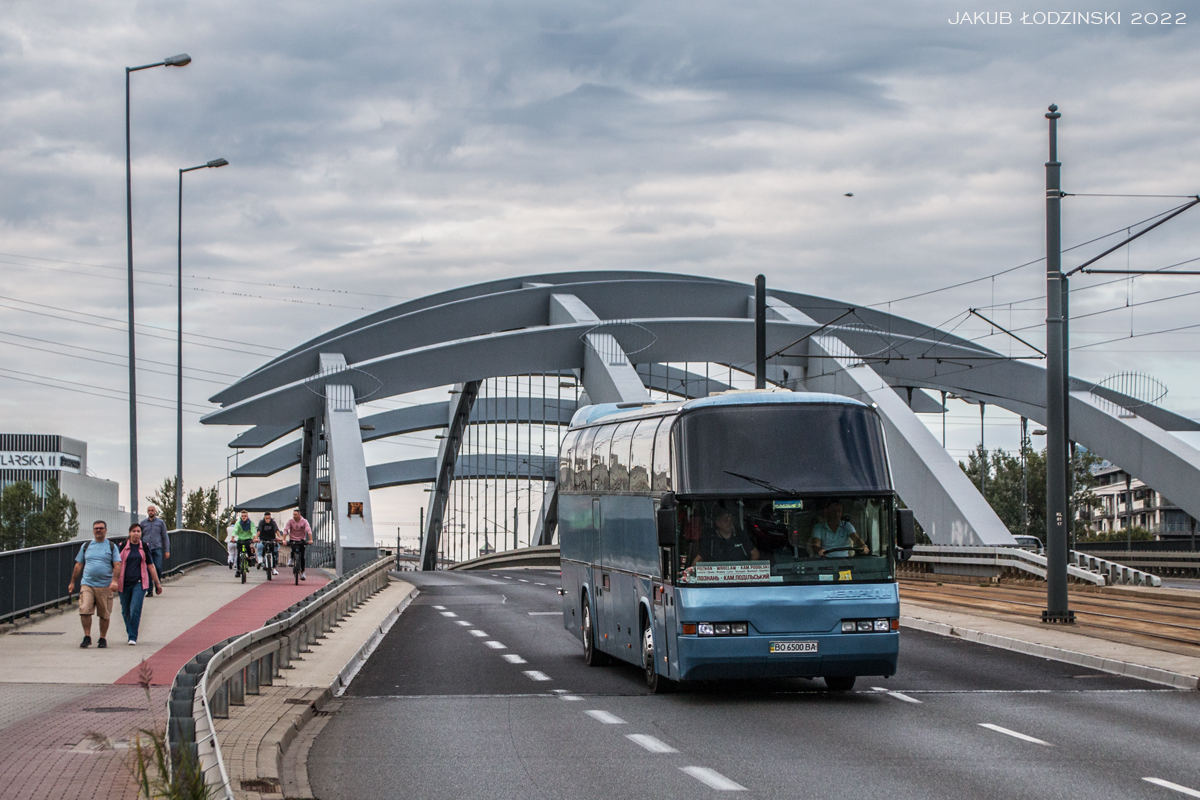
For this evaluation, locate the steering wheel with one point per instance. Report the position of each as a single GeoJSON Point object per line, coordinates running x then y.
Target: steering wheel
{"type": "Point", "coordinates": [853, 548]}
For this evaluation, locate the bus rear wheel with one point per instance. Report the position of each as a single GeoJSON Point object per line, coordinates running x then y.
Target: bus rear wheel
{"type": "Point", "coordinates": [591, 656]}
{"type": "Point", "coordinates": [839, 683]}
{"type": "Point", "coordinates": [656, 683]}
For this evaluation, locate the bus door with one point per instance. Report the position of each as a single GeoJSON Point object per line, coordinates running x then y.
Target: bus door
{"type": "Point", "coordinates": [604, 585]}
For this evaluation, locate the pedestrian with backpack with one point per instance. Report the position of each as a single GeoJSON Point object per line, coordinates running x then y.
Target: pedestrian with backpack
{"type": "Point", "coordinates": [95, 563]}
{"type": "Point", "coordinates": [137, 574]}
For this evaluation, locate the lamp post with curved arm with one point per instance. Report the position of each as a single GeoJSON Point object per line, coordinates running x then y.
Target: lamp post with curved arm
{"type": "Point", "coordinates": [179, 495]}
{"type": "Point", "coordinates": [181, 60]}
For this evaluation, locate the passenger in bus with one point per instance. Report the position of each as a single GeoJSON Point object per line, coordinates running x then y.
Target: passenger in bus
{"type": "Point", "coordinates": [724, 542]}
{"type": "Point", "coordinates": [834, 534]}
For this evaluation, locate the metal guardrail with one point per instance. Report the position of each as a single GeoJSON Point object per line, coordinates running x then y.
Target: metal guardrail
{"type": "Point", "coordinates": [1165, 563]}
{"type": "Point", "coordinates": [225, 673]}
{"type": "Point", "coordinates": [538, 556]}
{"type": "Point", "coordinates": [35, 578]}
{"type": "Point", "coordinates": [1081, 567]}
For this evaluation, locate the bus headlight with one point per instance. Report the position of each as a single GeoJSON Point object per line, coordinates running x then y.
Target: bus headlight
{"type": "Point", "coordinates": [870, 625]}
{"type": "Point", "coordinates": [738, 628]}
{"type": "Point", "coordinates": [717, 628]}
{"type": "Point", "coordinates": [847, 626]}
{"type": "Point", "coordinates": [882, 625]}
{"type": "Point", "coordinates": [705, 628]}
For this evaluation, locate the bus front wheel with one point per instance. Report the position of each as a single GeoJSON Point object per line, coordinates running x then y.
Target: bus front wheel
{"type": "Point", "coordinates": [839, 683]}
{"type": "Point", "coordinates": [591, 656]}
{"type": "Point", "coordinates": [655, 682]}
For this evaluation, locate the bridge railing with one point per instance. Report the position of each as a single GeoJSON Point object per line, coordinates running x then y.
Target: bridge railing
{"type": "Point", "coordinates": [537, 556]}
{"type": "Point", "coordinates": [225, 673]}
{"type": "Point", "coordinates": [35, 578]}
{"type": "Point", "coordinates": [997, 561]}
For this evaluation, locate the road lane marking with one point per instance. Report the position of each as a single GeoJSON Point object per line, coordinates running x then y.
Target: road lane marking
{"type": "Point", "coordinates": [1014, 734]}
{"type": "Point", "coordinates": [448, 614]}
{"type": "Point", "coordinates": [897, 695]}
{"type": "Point", "coordinates": [495, 645]}
{"type": "Point", "coordinates": [534, 675]}
{"type": "Point", "coordinates": [479, 633]}
{"type": "Point", "coordinates": [1172, 786]}
{"type": "Point", "coordinates": [545, 613]}
{"type": "Point", "coordinates": [650, 743]}
{"type": "Point", "coordinates": [571, 697]}
{"type": "Point", "coordinates": [713, 779]}
{"type": "Point", "coordinates": [539, 584]}
{"type": "Point", "coordinates": [440, 608]}
{"type": "Point", "coordinates": [462, 622]}
{"type": "Point", "coordinates": [513, 658]}
{"type": "Point", "coordinates": [605, 717]}
{"type": "Point", "coordinates": [522, 580]}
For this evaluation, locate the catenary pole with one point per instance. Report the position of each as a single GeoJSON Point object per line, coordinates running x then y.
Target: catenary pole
{"type": "Point", "coordinates": [1057, 609]}
{"type": "Point", "coordinates": [760, 332]}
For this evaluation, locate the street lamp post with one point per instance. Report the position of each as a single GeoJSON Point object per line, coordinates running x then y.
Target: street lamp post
{"type": "Point", "coordinates": [181, 60]}
{"type": "Point", "coordinates": [179, 495]}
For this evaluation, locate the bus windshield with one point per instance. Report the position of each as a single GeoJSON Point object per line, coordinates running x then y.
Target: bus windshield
{"type": "Point", "coordinates": [749, 540]}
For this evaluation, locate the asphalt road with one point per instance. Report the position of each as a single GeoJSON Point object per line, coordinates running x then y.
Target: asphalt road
{"type": "Point", "coordinates": [479, 692]}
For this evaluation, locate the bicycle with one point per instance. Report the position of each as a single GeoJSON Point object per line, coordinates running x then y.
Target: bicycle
{"type": "Point", "coordinates": [270, 557]}
{"type": "Point", "coordinates": [297, 559]}
{"type": "Point", "coordinates": [243, 559]}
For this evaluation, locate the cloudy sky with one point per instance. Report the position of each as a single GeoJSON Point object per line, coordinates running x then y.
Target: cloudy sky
{"type": "Point", "coordinates": [382, 151]}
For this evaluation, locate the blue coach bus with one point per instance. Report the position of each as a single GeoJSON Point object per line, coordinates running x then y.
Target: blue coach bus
{"type": "Point", "coordinates": [743, 535]}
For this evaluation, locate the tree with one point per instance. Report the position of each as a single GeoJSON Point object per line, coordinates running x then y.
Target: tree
{"type": "Point", "coordinates": [1003, 486]}
{"type": "Point", "coordinates": [201, 509]}
{"type": "Point", "coordinates": [165, 497]}
{"type": "Point", "coordinates": [27, 520]}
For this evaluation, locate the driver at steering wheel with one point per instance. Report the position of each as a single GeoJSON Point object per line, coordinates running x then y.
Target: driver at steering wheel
{"type": "Point", "coordinates": [834, 533]}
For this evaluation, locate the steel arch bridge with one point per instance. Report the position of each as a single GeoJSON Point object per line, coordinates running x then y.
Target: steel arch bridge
{"type": "Point", "coordinates": [621, 337]}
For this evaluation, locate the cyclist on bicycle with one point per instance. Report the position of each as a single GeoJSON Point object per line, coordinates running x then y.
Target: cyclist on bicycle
{"type": "Point", "coordinates": [299, 534]}
{"type": "Point", "coordinates": [269, 538]}
{"type": "Point", "coordinates": [245, 531]}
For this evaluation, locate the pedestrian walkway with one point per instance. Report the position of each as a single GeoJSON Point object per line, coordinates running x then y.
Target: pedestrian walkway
{"type": "Point", "coordinates": [67, 714]}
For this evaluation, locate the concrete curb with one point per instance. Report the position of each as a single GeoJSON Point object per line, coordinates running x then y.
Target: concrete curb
{"type": "Point", "coordinates": [356, 662]}
{"type": "Point", "coordinates": [1152, 674]}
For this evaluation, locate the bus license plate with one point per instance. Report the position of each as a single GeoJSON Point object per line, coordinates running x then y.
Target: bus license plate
{"type": "Point", "coordinates": [793, 647]}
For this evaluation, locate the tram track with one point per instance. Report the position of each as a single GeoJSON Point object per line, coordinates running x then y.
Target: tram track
{"type": "Point", "coordinates": [1175, 622]}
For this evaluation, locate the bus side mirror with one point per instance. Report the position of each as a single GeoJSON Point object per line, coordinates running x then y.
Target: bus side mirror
{"type": "Point", "coordinates": [906, 529]}
{"type": "Point", "coordinates": [666, 520]}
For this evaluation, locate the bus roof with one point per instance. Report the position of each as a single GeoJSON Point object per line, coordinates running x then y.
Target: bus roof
{"type": "Point", "coordinates": [613, 412]}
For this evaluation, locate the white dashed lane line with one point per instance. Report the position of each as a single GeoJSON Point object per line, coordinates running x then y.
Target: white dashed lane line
{"type": "Point", "coordinates": [1175, 787]}
{"type": "Point", "coordinates": [522, 580]}
{"type": "Point", "coordinates": [648, 742]}
{"type": "Point", "coordinates": [462, 622]}
{"type": "Point", "coordinates": [513, 658]}
{"type": "Point", "coordinates": [539, 584]}
{"type": "Point", "coordinates": [448, 614]}
{"type": "Point", "coordinates": [534, 675]}
{"type": "Point", "coordinates": [605, 717]}
{"type": "Point", "coordinates": [479, 633]}
{"type": "Point", "coordinates": [495, 645]}
{"type": "Point", "coordinates": [545, 613]}
{"type": "Point", "coordinates": [1013, 734]}
{"type": "Point", "coordinates": [713, 779]}
{"type": "Point", "coordinates": [897, 695]}
{"type": "Point", "coordinates": [440, 608]}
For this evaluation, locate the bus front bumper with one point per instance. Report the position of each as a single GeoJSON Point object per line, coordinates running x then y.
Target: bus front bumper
{"type": "Point", "coordinates": [726, 657]}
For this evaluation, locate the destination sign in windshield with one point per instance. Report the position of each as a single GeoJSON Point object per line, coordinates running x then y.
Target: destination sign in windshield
{"type": "Point", "coordinates": [751, 572]}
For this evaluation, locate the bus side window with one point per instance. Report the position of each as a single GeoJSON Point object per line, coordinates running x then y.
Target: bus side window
{"type": "Point", "coordinates": [583, 456]}
{"type": "Point", "coordinates": [662, 456]}
{"type": "Point", "coordinates": [641, 454]}
{"type": "Point", "coordinates": [566, 455]}
{"type": "Point", "coordinates": [618, 463]}
{"type": "Point", "coordinates": [600, 448]}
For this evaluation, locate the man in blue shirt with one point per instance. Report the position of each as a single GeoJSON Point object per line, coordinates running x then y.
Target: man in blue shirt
{"type": "Point", "coordinates": [154, 535]}
{"type": "Point", "coordinates": [831, 533]}
{"type": "Point", "coordinates": [95, 562]}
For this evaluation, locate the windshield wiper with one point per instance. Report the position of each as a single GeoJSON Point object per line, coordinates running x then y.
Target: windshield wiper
{"type": "Point", "coordinates": [770, 487]}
